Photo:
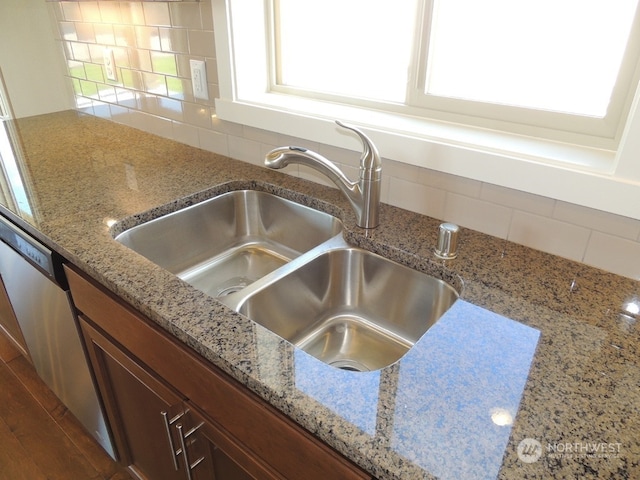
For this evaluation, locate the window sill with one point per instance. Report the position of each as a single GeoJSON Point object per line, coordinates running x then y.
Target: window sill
{"type": "Point", "coordinates": [571, 173]}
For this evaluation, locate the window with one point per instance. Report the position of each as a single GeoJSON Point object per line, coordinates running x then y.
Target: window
{"type": "Point", "coordinates": [348, 54]}
{"type": "Point", "coordinates": [544, 63]}
{"type": "Point", "coordinates": [547, 63]}
{"type": "Point", "coordinates": [544, 82]}
{"type": "Point", "coordinates": [554, 55]}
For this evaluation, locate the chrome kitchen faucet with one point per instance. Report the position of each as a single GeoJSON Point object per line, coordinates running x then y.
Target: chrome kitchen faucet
{"type": "Point", "coordinates": [363, 195]}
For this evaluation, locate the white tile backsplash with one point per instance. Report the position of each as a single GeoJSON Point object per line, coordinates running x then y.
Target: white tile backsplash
{"type": "Point", "coordinates": [614, 254]}
{"type": "Point", "coordinates": [517, 200]}
{"type": "Point", "coordinates": [185, 16]}
{"type": "Point", "coordinates": [90, 12]}
{"type": "Point", "coordinates": [197, 115]}
{"type": "Point", "coordinates": [402, 171]}
{"type": "Point", "coordinates": [244, 149]}
{"type": "Point", "coordinates": [416, 197]}
{"type": "Point", "coordinates": [71, 11]}
{"type": "Point", "coordinates": [156, 13]}
{"type": "Point", "coordinates": [213, 141]}
{"type": "Point", "coordinates": [485, 217]}
{"type": "Point", "coordinates": [597, 220]}
{"type": "Point", "coordinates": [450, 183]}
{"type": "Point", "coordinates": [550, 235]}
{"type": "Point", "coordinates": [184, 133]}
{"type": "Point", "coordinates": [154, 94]}
{"type": "Point", "coordinates": [228, 128]}
{"type": "Point", "coordinates": [259, 135]}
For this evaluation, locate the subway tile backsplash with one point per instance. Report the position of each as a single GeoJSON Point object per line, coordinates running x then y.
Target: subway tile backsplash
{"type": "Point", "coordinates": [152, 43]}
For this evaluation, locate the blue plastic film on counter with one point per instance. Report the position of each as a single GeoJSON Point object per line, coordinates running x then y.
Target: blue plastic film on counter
{"type": "Point", "coordinates": [459, 390]}
{"type": "Point", "coordinates": [455, 394]}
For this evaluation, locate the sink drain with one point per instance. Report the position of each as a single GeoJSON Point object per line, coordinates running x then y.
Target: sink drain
{"type": "Point", "coordinates": [229, 290]}
{"type": "Point", "coordinates": [233, 285]}
{"type": "Point", "coordinates": [349, 365]}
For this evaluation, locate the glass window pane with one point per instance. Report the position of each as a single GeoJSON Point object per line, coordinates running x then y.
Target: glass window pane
{"type": "Point", "coordinates": [555, 55]}
{"type": "Point", "coordinates": [359, 48]}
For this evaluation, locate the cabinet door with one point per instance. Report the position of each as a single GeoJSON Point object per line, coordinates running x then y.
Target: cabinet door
{"type": "Point", "coordinates": [159, 435]}
{"type": "Point", "coordinates": [217, 454]}
{"type": "Point", "coordinates": [137, 405]}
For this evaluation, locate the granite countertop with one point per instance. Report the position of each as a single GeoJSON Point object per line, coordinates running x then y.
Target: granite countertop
{"type": "Point", "coordinates": [533, 373]}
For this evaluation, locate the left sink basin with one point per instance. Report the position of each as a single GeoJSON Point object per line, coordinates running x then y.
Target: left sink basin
{"type": "Point", "coordinates": [224, 244]}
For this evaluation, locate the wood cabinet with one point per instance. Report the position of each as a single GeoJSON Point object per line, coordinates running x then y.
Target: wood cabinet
{"type": "Point", "coordinates": [159, 433]}
{"type": "Point", "coordinates": [136, 402]}
{"type": "Point", "coordinates": [218, 426]}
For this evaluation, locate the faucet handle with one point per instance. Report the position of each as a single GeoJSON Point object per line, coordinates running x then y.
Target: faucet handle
{"type": "Point", "coordinates": [370, 163]}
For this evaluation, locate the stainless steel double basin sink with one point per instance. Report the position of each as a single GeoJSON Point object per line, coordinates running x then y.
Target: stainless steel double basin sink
{"type": "Point", "coordinates": [287, 267]}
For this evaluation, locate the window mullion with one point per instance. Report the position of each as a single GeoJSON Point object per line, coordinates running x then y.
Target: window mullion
{"type": "Point", "coordinates": [418, 68]}
{"type": "Point", "coordinates": [273, 42]}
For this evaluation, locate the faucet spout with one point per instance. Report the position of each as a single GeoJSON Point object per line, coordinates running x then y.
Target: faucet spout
{"type": "Point", "coordinates": [363, 195]}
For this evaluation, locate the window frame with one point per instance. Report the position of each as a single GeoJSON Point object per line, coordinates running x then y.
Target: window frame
{"type": "Point", "coordinates": [586, 130]}
{"type": "Point", "coordinates": [563, 170]}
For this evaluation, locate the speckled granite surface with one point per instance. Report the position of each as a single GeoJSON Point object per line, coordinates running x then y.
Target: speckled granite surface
{"type": "Point", "coordinates": [538, 349]}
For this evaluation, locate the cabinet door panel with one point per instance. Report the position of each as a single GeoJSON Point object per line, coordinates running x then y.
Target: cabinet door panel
{"type": "Point", "coordinates": [226, 469]}
{"type": "Point", "coordinates": [140, 411]}
{"type": "Point", "coordinates": [224, 455]}
{"type": "Point", "coordinates": [135, 402]}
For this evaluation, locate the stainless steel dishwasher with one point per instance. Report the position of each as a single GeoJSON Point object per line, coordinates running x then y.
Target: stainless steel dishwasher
{"type": "Point", "coordinates": [37, 291]}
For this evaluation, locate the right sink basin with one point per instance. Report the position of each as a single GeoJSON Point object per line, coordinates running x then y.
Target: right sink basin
{"type": "Point", "coordinates": [351, 308]}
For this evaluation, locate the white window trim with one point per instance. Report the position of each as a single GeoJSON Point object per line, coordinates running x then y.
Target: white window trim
{"type": "Point", "coordinates": [607, 180]}
{"type": "Point", "coordinates": [5, 107]}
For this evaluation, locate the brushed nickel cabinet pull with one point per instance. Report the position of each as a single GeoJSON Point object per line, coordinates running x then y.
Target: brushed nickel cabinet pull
{"type": "Point", "coordinates": [167, 425]}
{"type": "Point", "coordinates": [188, 466]}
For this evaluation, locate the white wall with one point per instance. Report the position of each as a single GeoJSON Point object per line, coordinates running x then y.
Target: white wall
{"type": "Point", "coordinates": [30, 59]}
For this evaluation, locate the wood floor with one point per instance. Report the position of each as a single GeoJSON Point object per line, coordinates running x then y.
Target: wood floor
{"type": "Point", "coordinates": [39, 438]}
